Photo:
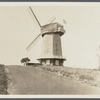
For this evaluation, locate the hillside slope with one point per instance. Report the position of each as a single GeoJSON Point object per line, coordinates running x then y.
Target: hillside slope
{"type": "Point", "coordinates": [88, 76]}
{"type": "Point", "coordinates": [35, 80]}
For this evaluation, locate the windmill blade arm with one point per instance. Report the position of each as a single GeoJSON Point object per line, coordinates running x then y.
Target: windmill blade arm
{"type": "Point", "coordinates": [35, 17]}
{"type": "Point", "coordinates": [32, 42]}
{"type": "Point", "coordinates": [51, 20]}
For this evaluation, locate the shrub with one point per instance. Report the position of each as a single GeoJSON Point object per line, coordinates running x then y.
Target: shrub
{"type": "Point", "coordinates": [3, 80]}
{"type": "Point", "coordinates": [86, 77]}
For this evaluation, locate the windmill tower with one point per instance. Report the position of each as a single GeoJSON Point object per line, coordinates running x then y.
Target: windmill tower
{"type": "Point", "coordinates": [51, 49]}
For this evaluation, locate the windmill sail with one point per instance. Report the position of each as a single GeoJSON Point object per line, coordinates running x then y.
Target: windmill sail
{"type": "Point", "coordinates": [33, 42]}
{"type": "Point", "coordinates": [51, 20]}
{"type": "Point", "coordinates": [35, 17]}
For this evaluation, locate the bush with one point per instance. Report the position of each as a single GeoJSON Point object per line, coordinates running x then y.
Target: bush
{"type": "Point", "coordinates": [86, 77]}
{"type": "Point", "coordinates": [3, 80]}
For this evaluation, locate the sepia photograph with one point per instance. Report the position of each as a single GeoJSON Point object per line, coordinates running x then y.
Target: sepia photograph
{"type": "Point", "coordinates": [50, 49]}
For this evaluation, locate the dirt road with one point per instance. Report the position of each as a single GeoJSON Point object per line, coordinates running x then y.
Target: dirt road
{"type": "Point", "coordinates": [32, 80]}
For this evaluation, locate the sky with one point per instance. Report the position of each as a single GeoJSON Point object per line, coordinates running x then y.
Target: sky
{"type": "Point", "coordinates": [80, 43]}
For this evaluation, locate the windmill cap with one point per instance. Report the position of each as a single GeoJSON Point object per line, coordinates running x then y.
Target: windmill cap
{"type": "Point", "coordinates": [52, 28]}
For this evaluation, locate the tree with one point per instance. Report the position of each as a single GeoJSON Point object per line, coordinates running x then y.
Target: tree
{"type": "Point", "coordinates": [25, 60]}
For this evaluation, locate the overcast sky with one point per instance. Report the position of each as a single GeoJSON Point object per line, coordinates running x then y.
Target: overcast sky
{"type": "Point", "coordinates": [80, 43]}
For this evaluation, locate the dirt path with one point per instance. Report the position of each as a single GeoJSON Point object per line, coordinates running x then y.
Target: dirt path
{"type": "Point", "coordinates": [31, 80]}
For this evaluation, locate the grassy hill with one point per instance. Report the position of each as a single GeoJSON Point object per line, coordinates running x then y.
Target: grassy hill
{"type": "Point", "coordinates": [88, 76]}
{"type": "Point", "coordinates": [38, 80]}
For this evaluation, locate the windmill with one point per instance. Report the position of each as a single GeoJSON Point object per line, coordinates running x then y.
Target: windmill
{"type": "Point", "coordinates": [51, 51]}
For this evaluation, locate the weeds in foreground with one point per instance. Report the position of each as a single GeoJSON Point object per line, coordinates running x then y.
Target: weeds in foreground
{"type": "Point", "coordinates": [89, 76]}
{"type": "Point", "coordinates": [3, 80]}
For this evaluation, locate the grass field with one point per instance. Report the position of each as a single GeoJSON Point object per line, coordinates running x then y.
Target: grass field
{"type": "Point", "coordinates": [3, 80]}
{"type": "Point", "coordinates": [27, 80]}
{"type": "Point", "coordinates": [88, 76]}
